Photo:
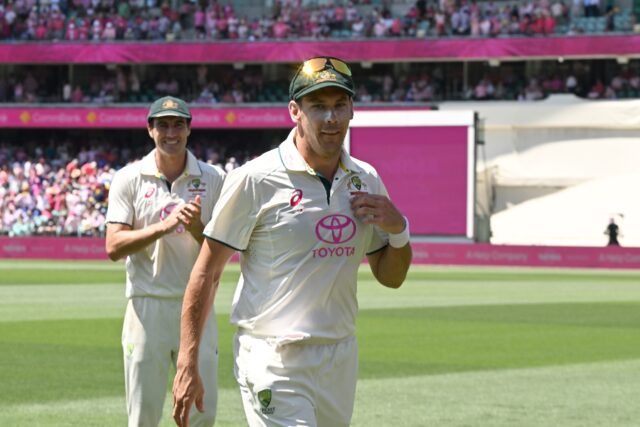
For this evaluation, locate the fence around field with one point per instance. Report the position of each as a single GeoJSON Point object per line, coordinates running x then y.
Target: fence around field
{"type": "Point", "coordinates": [478, 254]}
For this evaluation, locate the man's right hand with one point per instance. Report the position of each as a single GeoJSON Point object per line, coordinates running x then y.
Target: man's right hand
{"type": "Point", "coordinates": [173, 221]}
{"type": "Point", "coordinates": [187, 390]}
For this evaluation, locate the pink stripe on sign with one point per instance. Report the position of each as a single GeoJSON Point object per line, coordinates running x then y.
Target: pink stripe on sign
{"type": "Point", "coordinates": [70, 248]}
{"type": "Point", "coordinates": [52, 248]}
{"type": "Point", "coordinates": [124, 117]}
{"type": "Point", "coordinates": [247, 117]}
{"type": "Point", "coordinates": [525, 256]}
{"type": "Point", "coordinates": [295, 51]}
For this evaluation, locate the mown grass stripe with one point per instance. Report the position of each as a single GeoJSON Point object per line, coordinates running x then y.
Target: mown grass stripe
{"type": "Point", "coordinates": [583, 395]}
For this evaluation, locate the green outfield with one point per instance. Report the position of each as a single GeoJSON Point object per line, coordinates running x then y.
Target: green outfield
{"type": "Point", "coordinates": [453, 347]}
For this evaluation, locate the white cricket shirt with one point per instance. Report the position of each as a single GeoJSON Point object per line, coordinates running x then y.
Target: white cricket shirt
{"type": "Point", "coordinates": [139, 196]}
{"type": "Point", "coordinates": [301, 246]}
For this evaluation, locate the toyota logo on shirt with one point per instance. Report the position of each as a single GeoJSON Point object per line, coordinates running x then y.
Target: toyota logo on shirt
{"type": "Point", "coordinates": [335, 229]}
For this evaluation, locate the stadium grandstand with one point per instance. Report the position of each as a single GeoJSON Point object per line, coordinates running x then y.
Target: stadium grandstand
{"type": "Point", "coordinates": [542, 78]}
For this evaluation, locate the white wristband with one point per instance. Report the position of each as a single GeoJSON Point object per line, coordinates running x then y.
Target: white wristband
{"type": "Point", "coordinates": [401, 239]}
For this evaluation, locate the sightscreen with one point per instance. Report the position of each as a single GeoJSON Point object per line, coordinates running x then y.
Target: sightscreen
{"type": "Point", "coordinates": [426, 164]}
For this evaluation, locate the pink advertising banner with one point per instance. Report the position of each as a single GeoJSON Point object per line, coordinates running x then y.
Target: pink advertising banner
{"type": "Point", "coordinates": [70, 248]}
{"type": "Point", "coordinates": [52, 248]}
{"type": "Point", "coordinates": [525, 256]}
{"type": "Point", "coordinates": [247, 117]}
{"type": "Point", "coordinates": [290, 51]}
{"type": "Point", "coordinates": [127, 117]}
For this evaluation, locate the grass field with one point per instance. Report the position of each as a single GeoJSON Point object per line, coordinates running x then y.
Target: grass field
{"type": "Point", "coordinates": [453, 347]}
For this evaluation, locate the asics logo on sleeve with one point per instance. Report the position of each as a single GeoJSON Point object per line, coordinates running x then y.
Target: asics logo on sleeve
{"type": "Point", "coordinates": [296, 197]}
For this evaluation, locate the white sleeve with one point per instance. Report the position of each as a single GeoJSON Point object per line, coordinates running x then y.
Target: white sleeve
{"type": "Point", "coordinates": [120, 208]}
{"type": "Point", "coordinates": [215, 179]}
{"type": "Point", "coordinates": [235, 214]}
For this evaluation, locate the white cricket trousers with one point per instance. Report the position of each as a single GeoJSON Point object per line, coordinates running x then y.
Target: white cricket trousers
{"type": "Point", "coordinates": [150, 341]}
{"type": "Point", "coordinates": [296, 384]}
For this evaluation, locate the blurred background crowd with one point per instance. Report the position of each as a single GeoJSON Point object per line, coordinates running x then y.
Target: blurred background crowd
{"type": "Point", "coordinates": [57, 182]}
{"type": "Point", "coordinates": [61, 187]}
{"type": "Point", "coordinates": [105, 20]}
{"type": "Point", "coordinates": [223, 84]}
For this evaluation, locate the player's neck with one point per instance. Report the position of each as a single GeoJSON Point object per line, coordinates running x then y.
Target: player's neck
{"type": "Point", "coordinates": [171, 167]}
{"type": "Point", "coordinates": [326, 165]}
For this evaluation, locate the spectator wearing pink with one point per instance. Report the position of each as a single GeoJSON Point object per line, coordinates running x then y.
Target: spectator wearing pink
{"type": "Point", "coordinates": [75, 209]}
{"type": "Point", "coordinates": [280, 29]}
{"type": "Point", "coordinates": [109, 32]}
{"type": "Point", "coordinates": [483, 90]}
{"type": "Point", "coordinates": [379, 28]}
{"type": "Point", "coordinates": [41, 30]}
{"type": "Point", "coordinates": [548, 23]}
{"type": "Point", "coordinates": [10, 213]}
{"type": "Point", "coordinates": [339, 16]}
{"type": "Point", "coordinates": [89, 170]}
{"type": "Point", "coordinates": [440, 20]}
{"type": "Point", "coordinates": [222, 27]}
{"type": "Point", "coordinates": [96, 29]}
{"type": "Point", "coordinates": [553, 84]}
{"type": "Point", "coordinates": [232, 23]}
{"type": "Point", "coordinates": [56, 25]}
{"type": "Point", "coordinates": [211, 23]}
{"type": "Point", "coordinates": [485, 26]}
{"type": "Point", "coordinates": [526, 25]}
{"type": "Point", "coordinates": [121, 25]}
{"type": "Point", "coordinates": [396, 27]}
{"type": "Point", "coordinates": [255, 29]}
{"type": "Point", "coordinates": [72, 32]}
{"type": "Point", "coordinates": [77, 96]}
{"type": "Point", "coordinates": [228, 9]}
{"type": "Point", "coordinates": [475, 24]}
{"type": "Point", "coordinates": [84, 28]}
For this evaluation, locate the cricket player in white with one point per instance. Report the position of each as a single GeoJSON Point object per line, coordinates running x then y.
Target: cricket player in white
{"type": "Point", "coordinates": [303, 215]}
{"type": "Point", "coordinates": [157, 210]}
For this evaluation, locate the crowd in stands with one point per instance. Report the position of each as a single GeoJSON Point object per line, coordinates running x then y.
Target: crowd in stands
{"type": "Point", "coordinates": [129, 20]}
{"type": "Point", "coordinates": [625, 84]}
{"type": "Point", "coordinates": [61, 189]}
{"type": "Point", "coordinates": [51, 194]}
{"type": "Point", "coordinates": [432, 83]}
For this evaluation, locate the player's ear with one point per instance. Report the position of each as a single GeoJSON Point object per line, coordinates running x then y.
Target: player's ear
{"type": "Point", "coordinates": [150, 128]}
{"type": "Point", "coordinates": [294, 110]}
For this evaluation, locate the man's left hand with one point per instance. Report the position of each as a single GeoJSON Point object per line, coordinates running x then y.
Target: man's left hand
{"type": "Point", "coordinates": [378, 210]}
{"type": "Point", "coordinates": [190, 216]}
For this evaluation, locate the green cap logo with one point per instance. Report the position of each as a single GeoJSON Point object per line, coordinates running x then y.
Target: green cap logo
{"type": "Point", "coordinates": [264, 396]}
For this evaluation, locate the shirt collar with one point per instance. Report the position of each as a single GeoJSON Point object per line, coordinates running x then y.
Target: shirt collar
{"type": "Point", "coordinates": [293, 160]}
{"type": "Point", "coordinates": [149, 166]}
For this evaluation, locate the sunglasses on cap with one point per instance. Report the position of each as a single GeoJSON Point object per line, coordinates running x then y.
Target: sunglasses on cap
{"type": "Point", "coordinates": [314, 65]}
